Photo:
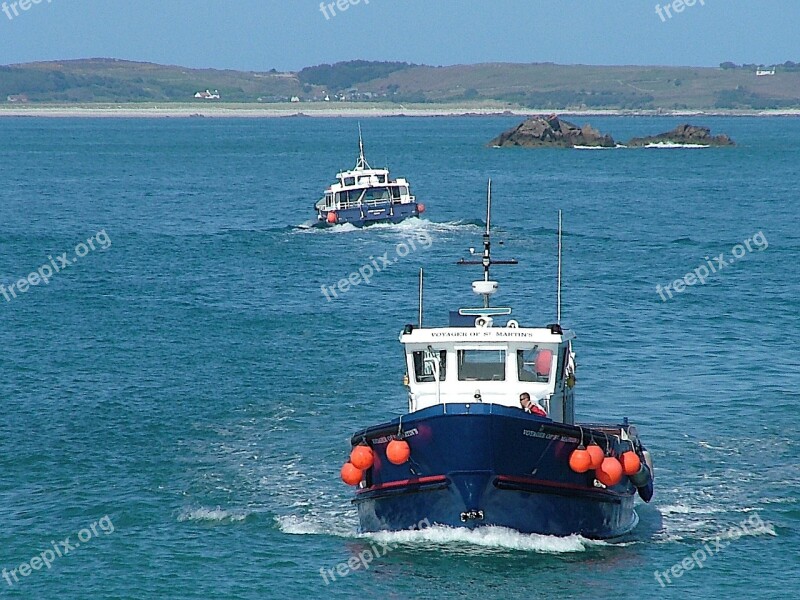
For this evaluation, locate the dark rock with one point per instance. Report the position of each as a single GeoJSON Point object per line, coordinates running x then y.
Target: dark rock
{"type": "Point", "coordinates": [549, 132]}
{"type": "Point", "coordinates": [684, 134]}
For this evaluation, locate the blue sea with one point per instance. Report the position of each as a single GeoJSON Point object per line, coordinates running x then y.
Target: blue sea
{"type": "Point", "coordinates": [178, 396]}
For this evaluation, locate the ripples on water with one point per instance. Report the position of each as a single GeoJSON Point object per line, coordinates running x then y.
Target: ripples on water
{"type": "Point", "coordinates": [193, 383]}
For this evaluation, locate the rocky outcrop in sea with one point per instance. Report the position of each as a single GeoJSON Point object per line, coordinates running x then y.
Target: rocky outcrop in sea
{"type": "Point", "coordinates": [684, 135]}
{"type": "Point", "coordinates": [552, 132]}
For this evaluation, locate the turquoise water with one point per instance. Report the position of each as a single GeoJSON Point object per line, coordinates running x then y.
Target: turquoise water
{"type": "Point", "coordinates": [190, 392]}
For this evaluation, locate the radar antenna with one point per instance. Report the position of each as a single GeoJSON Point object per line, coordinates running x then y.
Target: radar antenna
{"type": "Point", "coordinates": [487, 287]}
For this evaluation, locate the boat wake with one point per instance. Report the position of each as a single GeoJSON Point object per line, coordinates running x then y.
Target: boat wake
{"type": "Point", "coordinates": [437, 537]}
{"type": "Point", "coordinates": [214, 515]}
{"type": "Point", "coordinates": [412, 225]}
{"type": "Point", "coordinates": [494, 538]}
{"type": "Point", "coordinates": [341, 526]}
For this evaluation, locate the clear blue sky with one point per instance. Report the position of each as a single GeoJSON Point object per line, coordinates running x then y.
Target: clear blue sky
{"type": "Point", "coordinates": [291, 34]}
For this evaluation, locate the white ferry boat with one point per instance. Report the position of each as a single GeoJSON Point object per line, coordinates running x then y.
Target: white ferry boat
{"type": "Point", "coordinates": [364, 195]}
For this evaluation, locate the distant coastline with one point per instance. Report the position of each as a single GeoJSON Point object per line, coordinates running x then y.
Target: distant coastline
{"type": "Point", "coordinates": [343, 110]}
{"type": "Point", "coordinates": [111, 87]}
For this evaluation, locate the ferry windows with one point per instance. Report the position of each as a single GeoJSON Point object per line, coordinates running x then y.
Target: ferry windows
{"type": "Point", "coordinates": [353, 195]}
{"type": "Point", "coordinates": [424, 369]}
{"type": "Point", "coordinates": [481, 365]}
{"type": "Point", "coordinates": [376, 194]}
{"type": "Point", "coordinates": [395, 193]}
{"type": "Point", "coordinates": [349, 181]}
{"type": "Point", "coordinates": [535, 364]}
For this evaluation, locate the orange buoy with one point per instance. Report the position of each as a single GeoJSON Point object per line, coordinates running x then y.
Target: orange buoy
{"type": "Point", "coordinates": [331, 218]}
{"type": "Point", "coordinates": [630, 462]}
{"type": "Point", "coordinates": [597, 455]}
{"type": "Point", "coordinates": [579, 460]}
{"type": "Point", "coordinates": [398, 452]}
{"type": "Point", "coordinates": [350, 474]}
{"type": "Point", "coordinates": [610, 472]}
{"type": "Point", "coordinates": [420, 207]}
{"type": "Point", "coordinates": [362, 457]}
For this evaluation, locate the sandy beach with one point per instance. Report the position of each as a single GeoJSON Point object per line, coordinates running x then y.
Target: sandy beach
{"type": "Point", "coordinates": [325, 110]}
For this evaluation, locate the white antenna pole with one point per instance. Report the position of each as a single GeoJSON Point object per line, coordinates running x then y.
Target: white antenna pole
{"type": "Point", "coordinates": [489, 207]}
{"type": "Point", "coordinates": [421, 278]}
{"type": "Point", "coordinates": [558, 310]}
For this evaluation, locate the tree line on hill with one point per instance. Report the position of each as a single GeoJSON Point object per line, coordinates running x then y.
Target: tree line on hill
{"type": "Point", "coordinates": [788, 66]}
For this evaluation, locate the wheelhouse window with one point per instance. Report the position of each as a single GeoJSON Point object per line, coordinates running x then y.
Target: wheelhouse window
{"type": "Point", "coordinates": [376, 194]}
{"type": "Point", "coordinates": [481, 365]}
{"type": "Point", "coordinates": [398, 192]}
{"type": "Point", "coordinates": [535, 364]}
{"type": "Point", "coordinates": [425, 365]}
{"type": "Point", "coordinates": [349, 181]}
{"type": "Point", "coordinates": [353, 195]}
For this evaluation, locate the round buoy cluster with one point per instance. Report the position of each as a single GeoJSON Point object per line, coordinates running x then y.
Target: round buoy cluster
{"type": "Point", "coordinates": [609, 469]}
{"type": "Point", "coordinates": [332, 218]}
{"type": "Point", "coordinates": [362, 457]}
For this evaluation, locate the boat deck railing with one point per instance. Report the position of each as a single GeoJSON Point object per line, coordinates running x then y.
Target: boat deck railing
{"type": "Point", "coordinates": [368, 203]}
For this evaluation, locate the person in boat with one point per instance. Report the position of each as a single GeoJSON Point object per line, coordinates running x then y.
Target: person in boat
{"type": "Point", "coordinates": [529, 406]}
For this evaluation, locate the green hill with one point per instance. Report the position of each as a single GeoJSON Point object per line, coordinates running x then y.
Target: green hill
{"type": "Point", "coordinates": [110, 80]}
{"type": "Point", "coordinates": [539, 86]}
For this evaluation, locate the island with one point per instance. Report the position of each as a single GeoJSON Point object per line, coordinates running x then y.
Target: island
{"type": "Point", "coordinates": [683, 135]}
{"type": "Point", "coordinates": [552, 132]}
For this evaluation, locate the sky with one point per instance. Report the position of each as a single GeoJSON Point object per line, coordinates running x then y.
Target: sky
{"type": "Point", "coordinates": [260, 35]}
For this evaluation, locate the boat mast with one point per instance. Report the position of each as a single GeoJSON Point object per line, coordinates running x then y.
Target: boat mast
{"type": "Point", "coordinates": [558, 295]}
{"type": "Point", "coordinates": [362, 161]}
{"type": "Point", "coordinates": [487, 243]}
{"type": "Point", "coordinates": [421, 278]}
{"type": "Point", "coordinates": [488, 287]}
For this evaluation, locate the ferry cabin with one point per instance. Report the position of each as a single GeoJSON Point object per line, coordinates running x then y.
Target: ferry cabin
{"type": "Point", "coordinates": [492, 365]}
{"type": "Point", "coordinates": [366, 187]}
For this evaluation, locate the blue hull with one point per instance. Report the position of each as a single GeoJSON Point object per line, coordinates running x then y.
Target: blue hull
{"type": "Point", "coordinates": [361, 217]}
{"type": "Point", "coordinates": [482, 464]}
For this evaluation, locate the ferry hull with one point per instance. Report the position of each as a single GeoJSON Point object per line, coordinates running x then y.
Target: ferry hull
{"type": "Point", "coordinates": [481, 465]}
{"type": "Point", "coordinates": [361, 217]}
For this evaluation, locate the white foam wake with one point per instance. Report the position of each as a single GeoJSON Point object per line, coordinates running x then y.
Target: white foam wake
{"type": "Point", "coordinates": [408, 226]}
{"type": "Point", "coordinates": [318, 525]}
{"type": "Point", "coordinates": [598, 147]}
{"type": "Point", "coordinates": [685, 509]}
{"type": "Point", "coordinates": [465, 540]}
{"type": "Point", "coordinates": [673, 145]}
{"type": "Point", "coordinates": [214, 515]}
{"type": "Point", "coordinates": [487, 537]}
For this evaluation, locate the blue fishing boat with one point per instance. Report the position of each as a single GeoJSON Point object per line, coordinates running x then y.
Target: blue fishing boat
{"type": "Point", "coordinates": [363, 196]}
{"type": "Point", "coordinates": [490, 437]}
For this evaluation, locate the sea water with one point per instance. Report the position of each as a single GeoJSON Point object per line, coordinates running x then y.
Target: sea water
{"type": "Point", "coordinates": [179, 394]}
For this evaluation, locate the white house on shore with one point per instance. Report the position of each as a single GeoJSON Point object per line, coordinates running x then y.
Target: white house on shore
{"type": "Point", "coordinates": [762, 72]}
{"type": "Point", "coordinates": [208, 95]}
